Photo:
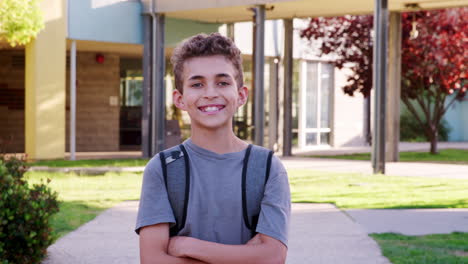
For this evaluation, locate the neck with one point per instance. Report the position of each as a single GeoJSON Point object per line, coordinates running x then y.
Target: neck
{"type": "Point", "coordinates": [221, 141]}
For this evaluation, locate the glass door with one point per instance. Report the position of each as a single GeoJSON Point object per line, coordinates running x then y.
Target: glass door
{"type": "Point", "coordinates": [315, 106]}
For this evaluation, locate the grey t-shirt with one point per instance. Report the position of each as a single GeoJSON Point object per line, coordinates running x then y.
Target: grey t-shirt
{"type": "Point", "coordinates": [215, 202]}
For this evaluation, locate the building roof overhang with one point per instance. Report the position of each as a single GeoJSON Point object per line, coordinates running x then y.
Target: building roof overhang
{"type": "Point", "coordinates": [226, 11]}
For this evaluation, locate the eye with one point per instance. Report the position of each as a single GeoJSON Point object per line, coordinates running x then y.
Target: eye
{"type": "Point", "coordinates": [196, 85]}
{"type": "Point", "coordinates": [223, 84]}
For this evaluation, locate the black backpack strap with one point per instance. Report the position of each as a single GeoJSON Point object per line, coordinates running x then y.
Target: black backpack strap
{"type": "Point", "coordinates": [255, 174]}
{"type": "Point", "coordinates": [176, 172]}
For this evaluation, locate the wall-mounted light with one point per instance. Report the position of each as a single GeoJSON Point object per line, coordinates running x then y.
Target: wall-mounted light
{"type": "Point", "coordinates": [414, 30]}
{"type": "Point", "coordinates": [99, 58]}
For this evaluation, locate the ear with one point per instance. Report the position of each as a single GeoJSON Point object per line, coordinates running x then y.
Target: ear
{"type": "Point", "coordinates": [243, 93]}
{"type": "Point", "coordinates": [178, 99]}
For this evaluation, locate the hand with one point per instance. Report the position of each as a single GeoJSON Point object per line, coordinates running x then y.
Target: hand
{"type": "Point", "coordinates": [255, 240]}
{"type": "Point", "coordinates": [179, 245]}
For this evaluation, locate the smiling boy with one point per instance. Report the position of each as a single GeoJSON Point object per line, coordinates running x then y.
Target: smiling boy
{"type": "Point", "coordinates": [210, 88]}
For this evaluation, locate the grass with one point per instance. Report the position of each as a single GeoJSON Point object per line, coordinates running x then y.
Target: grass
{"type": "Point", "coordinates": [352, 190]}
{"type": "Point", "coordinates": [429, 249]}
{"type": "Point", "coordinates": [457, 156]}
{"type": "Point", "coordinates": [84, 197]}
{"type": "Point", "coordinates": [91, 163]}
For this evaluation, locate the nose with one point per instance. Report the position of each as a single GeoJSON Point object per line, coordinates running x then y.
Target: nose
{"type": "Point", "coordinates": [211, 91]}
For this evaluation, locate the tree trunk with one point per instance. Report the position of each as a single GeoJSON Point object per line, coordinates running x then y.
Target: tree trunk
{"type": "Point", "coordinates": [434, 138]}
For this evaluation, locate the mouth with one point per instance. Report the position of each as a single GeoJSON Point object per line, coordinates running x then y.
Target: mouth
{"type": "Point", "coordinates": [211, 108]}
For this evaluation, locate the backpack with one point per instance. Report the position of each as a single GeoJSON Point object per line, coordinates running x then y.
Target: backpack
{"type": "Point", "coordinates": [255, 172]}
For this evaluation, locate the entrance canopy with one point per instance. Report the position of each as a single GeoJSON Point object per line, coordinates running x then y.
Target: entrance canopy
{"type": "Point", "coordinates": [229, 11]}
{"type": "Point", "coordinates": [226, 11]}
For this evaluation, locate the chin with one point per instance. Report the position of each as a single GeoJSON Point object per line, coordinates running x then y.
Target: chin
{"type": "Point", "coordinates": [213, 125]}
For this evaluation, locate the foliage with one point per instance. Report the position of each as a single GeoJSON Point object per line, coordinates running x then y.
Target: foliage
{"type": "Point", "coordinates": [25, 211]}
{"type": "Point", "coordinates": [350, 39]}
{"type": "Point", "coordinates": [433, 64]}
{"type": "Point", "coordinates": [411, 130]}
{"type": "Point", "coordinates": [20, 21]}
{"type": "Point", "coordinates": [429, 249]}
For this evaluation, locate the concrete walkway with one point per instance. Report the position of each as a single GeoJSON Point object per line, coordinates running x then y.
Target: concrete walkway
{"type": "Point", "coordinates": [416, 169]}
{"type": "Point", "coordinates": [412, 222]}
{"type": "Point", "coordinates": [403, 146]}
{"type": "Point", "coordinates": [320, 233]}
{"type": "Point", "coordinates": [432, 170]}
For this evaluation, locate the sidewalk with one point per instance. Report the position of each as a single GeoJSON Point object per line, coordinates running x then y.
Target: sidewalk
{"type": "Point", "coordinates": [320, 233]}
{"type": "Point", "coordinates": [403, 146]}
{"type": "Point", "coordinates": [432, 170]}
{"type": "Point", "coordinates": [416, 169]}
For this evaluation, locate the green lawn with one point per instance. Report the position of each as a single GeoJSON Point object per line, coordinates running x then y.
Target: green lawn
{"type": "Point", "coordinates": [430, 249]}
{"type": "Point", "coordinates": [456, 156]}
{"type": "Point", "coordinates": [91, 163]}
{"type": "Point", "coordinates": [377, 191]}
{"type": "Point", "coordinates": [83, 197]}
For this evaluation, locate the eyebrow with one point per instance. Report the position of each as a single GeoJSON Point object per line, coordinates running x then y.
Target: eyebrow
{"type": "Point", "coordinates": [223, 75]}
{"type": "Point", "coordinates": [200, 77]}
{"type": "Point", "coordinates": [196, 77]}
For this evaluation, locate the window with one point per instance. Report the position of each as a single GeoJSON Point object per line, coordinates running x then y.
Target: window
{"type": "Point", "coordinates": [315, 104]}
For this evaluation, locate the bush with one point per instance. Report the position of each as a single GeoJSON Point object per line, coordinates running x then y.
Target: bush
{"type": "Point", "coordinates": [25, 211]}
{"type": "Point", "coordinates": [411, 131]}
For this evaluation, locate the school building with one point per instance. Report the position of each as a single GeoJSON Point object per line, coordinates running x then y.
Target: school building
{"type": "Point", "coordinates": [98, 77]}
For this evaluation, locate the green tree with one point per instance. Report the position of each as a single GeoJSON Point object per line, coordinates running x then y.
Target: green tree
{"type": "Point", "coordinates": [20, 21]}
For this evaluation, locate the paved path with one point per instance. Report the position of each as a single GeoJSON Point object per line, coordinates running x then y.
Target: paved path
{"type": "Point", "coordinates": [403, 146]}
{"type": "Point", "coordinates": [320, 233]}
{"type": "Point", "coordinates": [431, 170]}
{"type": "Point", "coordinates": [411, 221]}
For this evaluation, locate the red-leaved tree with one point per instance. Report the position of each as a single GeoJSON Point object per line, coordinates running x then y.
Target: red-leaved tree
{"type": "Point", "coordinates": [434, 58]}
{"type": "Point", "coordinates": [350, 39]}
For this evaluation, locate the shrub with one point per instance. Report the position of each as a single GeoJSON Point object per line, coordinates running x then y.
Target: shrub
{"type": "Point", "coordinates": [410, 130]}
{"type": "Point", "coordinates": [25, 211]}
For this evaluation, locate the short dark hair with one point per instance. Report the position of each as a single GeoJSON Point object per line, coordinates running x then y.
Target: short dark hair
{"type": "Point", "coordinates": [206, 45]}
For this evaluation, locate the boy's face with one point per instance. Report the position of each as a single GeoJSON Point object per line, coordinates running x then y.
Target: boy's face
{"type": "Point", "coordinates": [210, 93]}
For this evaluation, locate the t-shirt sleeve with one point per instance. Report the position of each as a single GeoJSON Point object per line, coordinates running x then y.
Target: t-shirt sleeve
{"type": "Point", "coordinates": [154, 207]}
{"type": "Point", "coordinates": [276, 204]}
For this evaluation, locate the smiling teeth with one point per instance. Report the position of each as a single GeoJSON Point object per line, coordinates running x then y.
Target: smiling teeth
{"type": "Point", "coordinates": [211, 109]}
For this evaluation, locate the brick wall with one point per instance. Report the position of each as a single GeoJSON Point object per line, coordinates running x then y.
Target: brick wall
{"type": "Point", "coordinates": [97, 122]}
{"type": "Point", "coordinates": [12, 100]}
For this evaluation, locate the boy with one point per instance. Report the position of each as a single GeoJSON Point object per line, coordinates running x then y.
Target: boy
{"type": "Point", "coordinates": [209, 86]}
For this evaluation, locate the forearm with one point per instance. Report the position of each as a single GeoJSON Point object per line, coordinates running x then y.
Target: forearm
{"type": "Point", "coordinates": [168, 259]}
{"type": "Point", "coordinates": [216, 253]}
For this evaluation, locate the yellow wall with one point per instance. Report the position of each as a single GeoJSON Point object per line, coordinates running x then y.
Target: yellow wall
{"type": "Point", "coordinates": [45, 85]}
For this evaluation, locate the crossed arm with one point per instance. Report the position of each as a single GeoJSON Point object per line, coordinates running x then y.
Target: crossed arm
{"type": "Point", "coordinates": [157, 247]}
